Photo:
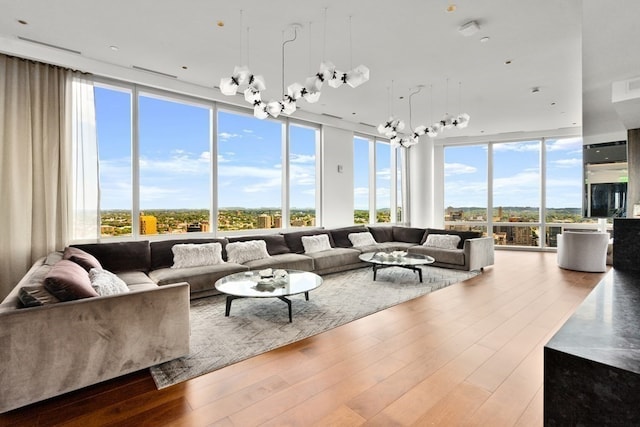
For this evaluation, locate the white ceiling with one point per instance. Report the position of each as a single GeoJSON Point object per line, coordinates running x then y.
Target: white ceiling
{"type": "Point", "coordinates": [414, 42]}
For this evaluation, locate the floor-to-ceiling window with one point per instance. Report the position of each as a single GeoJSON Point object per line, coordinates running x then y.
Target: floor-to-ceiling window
{"type": "Point", "coordinates": [516, 192]}
{"type": "Point", "coordinates": [377, 181]}
{"type": "Point", "coordinates": [114, 131]}
{"type": "Point", "coordinates": [465, 187]}
{"type": "Point", "coordinates": [303, 166]}
{"type": "Point", "coordinates": [361, 179]}
{"type": "Point", "coordinates": [532, 189]}
{"type": "Point", "coordinates": [174, 165]}
{"type": "Point", "coordinates": [563, 204]}
{"type": "Point", "coordinates": [249, 171]}
{"type": "Point", "coordinates": [163, 169]}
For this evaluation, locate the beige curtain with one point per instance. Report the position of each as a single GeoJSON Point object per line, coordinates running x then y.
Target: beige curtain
{"type": "Point", "coordinates": [35, 167]}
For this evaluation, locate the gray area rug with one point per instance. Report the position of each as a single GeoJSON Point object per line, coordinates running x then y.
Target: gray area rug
{"type": "Point", "coordinates": [257, 325]}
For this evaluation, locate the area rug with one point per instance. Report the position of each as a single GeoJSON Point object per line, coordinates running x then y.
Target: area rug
{"type": "Point", "coordinates": [257, 325]}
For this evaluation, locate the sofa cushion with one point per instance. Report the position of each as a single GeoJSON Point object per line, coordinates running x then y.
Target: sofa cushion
{"type": "Point", "coordinates": [276, 244]}
{"type": "Point", "coordinates": [106, 283]}
{"type": "Point", "coordinates": [340, 236]}
{"type": "Point", "coordinates": [360, 240]}
{"type": "Point", "coordinates": [386, 247]}
{"type": "Point", "coordinates": [285, 261]}
{"type": "Point", "coordinates": [382, 233]}
{"type": "Point", "coordinates": [162, 255]}
{"type": "Point", "coordinates": [444, 256]}
{"type": "Point", "coordinates": [294, 239]}
{"type": "Point", "coordinates": [68, 281]}
{"type": "Point", "coordinates": [199, 278]}
{"type": "Point", "coordinates": [408, 234]}
{"type": "Point", "coordinates": [317, 243]}
{"type": "Point", "coordinates": [80, 257]}
{"type": "Point", "coordinates": [134, 278]}
{"type": "Point", "coordinates": [35, 296]}
{"type": "Point", "coordinates": [120, 256]}
{"type": "Point", "coordinates": [241, 252]}
{"type": "Point", "coordinates": [443, 241]}
{"type": "Point", "coordinates": [464, 235]}
{"type": "Point", "coordinates": [192, 255]}
{"type": "Point", "coordinates": [336, 257]}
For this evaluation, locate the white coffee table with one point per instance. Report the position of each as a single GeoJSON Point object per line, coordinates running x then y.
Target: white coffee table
{"type": "Point", "coordinates": [250, 284]}
{"type": "Point", "coordinates": [401, 259]}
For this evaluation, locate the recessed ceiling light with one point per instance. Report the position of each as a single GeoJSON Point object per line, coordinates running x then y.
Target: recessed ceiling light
{"type": "Point", "coordinates": [220, 23]}
{"type": "Point", "coordinates": [535, 89]}
{"type": "Point", "coordinates": [184, 67]}
{"type": "Point", "coordinates": [484, 39]}
{"type": "Point", "coordinates": [451, 8]}
{"type": "Point", "coordinates": [507, 62]}
{"type": "Point", "coordinates": [22, 21]}
{"type": "Point", "coordinates": [114, 48]}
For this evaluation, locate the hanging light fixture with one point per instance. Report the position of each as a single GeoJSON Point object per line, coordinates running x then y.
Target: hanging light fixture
{"type": "Point", "coordinates": [310, 91]}
{"type": "Point", "coordinates": [392, 128]}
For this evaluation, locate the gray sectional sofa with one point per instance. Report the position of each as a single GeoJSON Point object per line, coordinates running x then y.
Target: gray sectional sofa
{"type": "Point", "coordinates": [58, 347]}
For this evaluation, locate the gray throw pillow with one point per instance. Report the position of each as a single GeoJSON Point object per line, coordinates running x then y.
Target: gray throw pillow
{"type": "Point", "coordinates": [106, 283]}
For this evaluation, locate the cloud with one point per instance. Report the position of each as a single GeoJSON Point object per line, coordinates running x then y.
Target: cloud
{"type": "Point", "coordinates": [384, 174]}
{"type": "Point", "coordinates": [458, 168]}
{"type": "Point", "coordinates": [302, 158]}
{"type": "Point", "coordinates": [517, 146]}
{"type": "Point", "coordinates": [226, 136]}
{"type": "Point", "coordinates": [567, 163]}
{"type": "Point", "coordinates": [361, 191]}
{"type": "Point", "coordinates": [180, 163]}
{"type": "Point", "coordinates": [565, 144]}
{"type": "Point", "coordinates": [205, 156]}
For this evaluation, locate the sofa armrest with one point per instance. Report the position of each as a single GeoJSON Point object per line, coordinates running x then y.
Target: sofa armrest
{"type": "Point", "coordinates": [54, 349]}
{"type": "Point", "coordinates": [478, 252]}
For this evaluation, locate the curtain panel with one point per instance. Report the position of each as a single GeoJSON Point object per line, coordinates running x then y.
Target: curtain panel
{"type": "Point", "coordinates": [35, 164]}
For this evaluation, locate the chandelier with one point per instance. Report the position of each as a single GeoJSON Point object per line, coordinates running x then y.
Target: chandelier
{"type": "Point", "coordinates": [309, 91]}
{"type": "Point", "coordinates": [393, 127]}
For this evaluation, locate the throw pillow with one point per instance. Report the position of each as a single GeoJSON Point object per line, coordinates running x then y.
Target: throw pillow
{"type": "Point", "coordinates": [359, 240]}
{"type": "Point", "coordinates": [106, 283]}
{"type": "Point", "coordinates": [251, 250]}
{"type": "Point", "coordinates": [35, 296]}
{"type": "Point", "coordinates": [442, 241]}
{"type": "Point", "coordinates": [80, 257]}
{"type": "Point", "coordinates": [68, 281]}
{"type": "Point", "coordinates": [315, 243]}
{"type": "Point", "coordinates": [196, 254]}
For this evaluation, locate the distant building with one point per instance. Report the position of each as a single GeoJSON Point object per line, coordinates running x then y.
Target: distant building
{"type": "Point", "coordinates": [205, 227]}
{"type": "Point", "coordinates": [194, 227]}
{"type": "Point", "coordinates": [277, 221]}
{"type": "Point", "coordinates": [148, 224]}
{"type": "Point", "coordinates": [264, 221]}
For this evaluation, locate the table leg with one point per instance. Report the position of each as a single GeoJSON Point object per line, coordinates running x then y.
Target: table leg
{"type": "Point", "coordinates": [289, 304]}
{"type": "Point", "coordinates": [375, 270]}
{"type": "Point", "coordinates": [306, 296]}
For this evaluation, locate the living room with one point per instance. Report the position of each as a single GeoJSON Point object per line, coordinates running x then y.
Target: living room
{"type": "Point", "coordinates": [506, 101]}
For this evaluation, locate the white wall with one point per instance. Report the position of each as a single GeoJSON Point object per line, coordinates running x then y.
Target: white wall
{"type": "Point", "coordinates": [421, 179]}
{"type": "Point", "coordinates": [337, 197]}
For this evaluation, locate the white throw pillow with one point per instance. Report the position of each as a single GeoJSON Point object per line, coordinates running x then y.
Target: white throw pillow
{"type": "Point", "coordinates": [362, 239]}
{"type": "Point", "coordinates": [241, 252]}
{"type": "Point", "coordinates": [106, 283]}
{"type": "Point", "coordinates": [196, 254]}
{"type": "Point", "coordinates": [317, 243]}
{"type": "Point", "coordinates": [442, 241]}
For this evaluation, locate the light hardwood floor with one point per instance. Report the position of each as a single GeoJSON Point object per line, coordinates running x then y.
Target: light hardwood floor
{"type": "Point", "coordinates": [469, 354]}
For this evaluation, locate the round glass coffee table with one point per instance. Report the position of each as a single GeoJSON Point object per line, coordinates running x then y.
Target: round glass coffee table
{"type": "Point", "coordinates": [396, 259]}
{"type": "Point", "coordinates": [251, 284]}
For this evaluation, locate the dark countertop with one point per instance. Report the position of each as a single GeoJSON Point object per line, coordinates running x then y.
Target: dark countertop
{"type": "Point", "coordinates": [606, 326]}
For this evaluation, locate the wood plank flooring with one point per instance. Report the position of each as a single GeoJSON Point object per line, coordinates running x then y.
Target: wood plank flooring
{"type": "Point", "coordinates": [469, 354]}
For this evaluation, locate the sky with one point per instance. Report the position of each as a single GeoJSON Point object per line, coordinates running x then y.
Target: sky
{"type": "Point", "coordinates": [175, 156]}
{"type": "Point", "coordinates": [516, 174]}
{"type": "Point", "coordinates": [175, 162]}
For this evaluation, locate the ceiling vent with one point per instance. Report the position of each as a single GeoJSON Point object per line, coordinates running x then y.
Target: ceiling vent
{"type": "Point", "coordinates": [77, 52]}
{"type": "Point", "coordinates": [160, 73]}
